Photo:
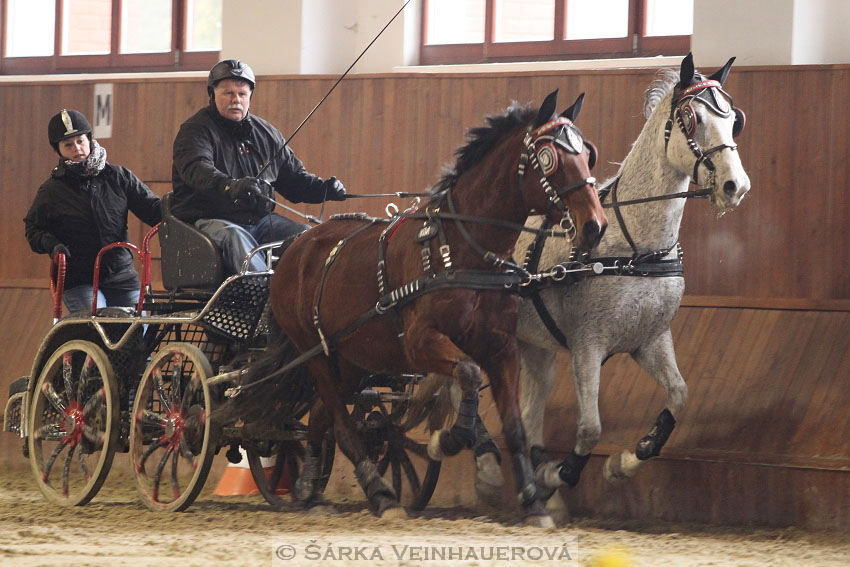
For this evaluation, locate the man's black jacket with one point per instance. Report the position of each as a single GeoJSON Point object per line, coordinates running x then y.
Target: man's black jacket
{"type": "Point", "coordinates": [210, 151]}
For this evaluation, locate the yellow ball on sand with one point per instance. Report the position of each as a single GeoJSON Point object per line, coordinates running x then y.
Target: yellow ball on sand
{"type": "Point", "coordinates": [612, 557]}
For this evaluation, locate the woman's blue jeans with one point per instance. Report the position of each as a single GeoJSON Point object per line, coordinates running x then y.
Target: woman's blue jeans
{"type": "Point", "coordinates": [79, 298]}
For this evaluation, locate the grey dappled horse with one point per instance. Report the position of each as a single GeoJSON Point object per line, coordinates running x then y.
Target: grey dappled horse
{"type": "Point", "coordinates": [629, 312]}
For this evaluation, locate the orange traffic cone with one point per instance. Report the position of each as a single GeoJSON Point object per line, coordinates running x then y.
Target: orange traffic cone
{"type": "Point", "coordinates": [238, 481]}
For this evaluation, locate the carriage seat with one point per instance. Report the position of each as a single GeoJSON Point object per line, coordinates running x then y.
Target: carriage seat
{"type": "Point", "coordinates": [190, 258]}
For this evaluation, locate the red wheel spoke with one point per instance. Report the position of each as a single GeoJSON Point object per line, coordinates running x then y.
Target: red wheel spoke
{"type": "Point", "coordinates": [94, 403]}
{"type": "Point", "coordinates": [52, 397]}
{"type": "Point", "coordinates": [176, 377]}
{"type": "Point", "coordinates": [66, 471]}
{"type": "Point", "coordinates": [186, 452]}
{"type": "Point", "coordinates": [49, 464]}
{"type": "Point", "coordinates": [157, 477]}
{"type": "Point", "coordinates": [189, 393]}
{"type": "Point", "coordinates": [95, 436]}
{"type": "Point", "coordinates": [84, 377]}
{"type": "Point", "coordinates": [67, 372]}
{"type": "Point", "coordinates": [83, 466]}
{"type": "Point", "coordinates": [151, 418]}
{"type": "Point", "coordinates": [175, 484]}
{"type": "Point", "coordinates": [50, 432]}
{"type": "Point", "coordinates": [160, 388]}
{"type": "Point", "coordinates": [148, 452]}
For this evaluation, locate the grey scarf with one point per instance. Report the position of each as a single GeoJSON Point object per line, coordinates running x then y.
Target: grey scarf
{"type": "Point", "coordinates": [92, 165]}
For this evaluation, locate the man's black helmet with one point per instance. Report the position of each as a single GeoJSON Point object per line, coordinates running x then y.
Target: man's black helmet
{"type": "Point", "coordinates": [67, 124]}
{"type": "Point", "coordinates": [229, 69]}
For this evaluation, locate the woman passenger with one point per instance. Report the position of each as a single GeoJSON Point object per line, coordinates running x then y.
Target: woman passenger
{"type": "Point", "coordinates": [83, 207]}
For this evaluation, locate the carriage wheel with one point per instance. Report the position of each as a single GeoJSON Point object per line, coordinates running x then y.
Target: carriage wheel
{"type": "Point", "coordinates": [399, 456]}
{"type": "Point", "coordinates": [74, 423]}
{"type": "Point", "coordinates": [285, 459]}
{"type": "Point", "coordinates": [393, 451]}
{"type": "Point", "coordinates": [171, 445]}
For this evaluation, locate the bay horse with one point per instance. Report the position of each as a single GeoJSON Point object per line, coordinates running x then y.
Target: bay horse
{"type": "Point", "coordinates": [444, 298]}
{"type": "Point", "coordinates": [687, 138]}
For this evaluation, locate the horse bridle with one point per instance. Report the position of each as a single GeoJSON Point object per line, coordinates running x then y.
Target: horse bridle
{"type": "Point", "coordinates": [541, 153]}
{"type": "Point", "coordinates": [710, 93]}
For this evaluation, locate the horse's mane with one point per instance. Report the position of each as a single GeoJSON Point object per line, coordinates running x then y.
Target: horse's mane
{"type": "Point", "coordinates": [480, 140]}
{"type": "Point", "coordinates": [664, 82]}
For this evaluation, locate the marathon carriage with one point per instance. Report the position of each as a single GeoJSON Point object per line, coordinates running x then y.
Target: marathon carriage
{"type": "Point", "coordinates": [145, 381]}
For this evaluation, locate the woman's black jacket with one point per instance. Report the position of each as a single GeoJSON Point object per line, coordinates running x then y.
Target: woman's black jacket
{"type": "Point", "coordinates": [87, 213]}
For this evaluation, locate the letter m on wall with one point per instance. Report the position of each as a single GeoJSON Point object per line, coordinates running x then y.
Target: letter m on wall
{"type": "Point", "coordinates": [103, 110]}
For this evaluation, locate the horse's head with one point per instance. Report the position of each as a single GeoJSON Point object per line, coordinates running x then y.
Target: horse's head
{"type": "Point", "coordinates": [699, 135]}
{"type": "Point", "coordinates": [562, 158]}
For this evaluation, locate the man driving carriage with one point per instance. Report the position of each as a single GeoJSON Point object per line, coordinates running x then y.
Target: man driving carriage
{"type": "Point", "coordinates": [218, 154]}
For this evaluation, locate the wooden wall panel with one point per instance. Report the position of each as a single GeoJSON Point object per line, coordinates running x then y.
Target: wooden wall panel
{"type": "Point", "coordinates": [392, 133]}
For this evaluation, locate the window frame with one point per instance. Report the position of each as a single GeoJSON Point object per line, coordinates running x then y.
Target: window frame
{"type": "Point", "coordinates": [177, 59]}
{"type": "Point", "coordinates": [635, 44]}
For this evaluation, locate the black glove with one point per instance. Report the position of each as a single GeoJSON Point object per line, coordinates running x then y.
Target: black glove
{"type": "Point", "coordinates": [246, 188]}
{"type": "Point", "coordinates": [60, 249]}
{"type": "Point", "coordinates": [334, 191]}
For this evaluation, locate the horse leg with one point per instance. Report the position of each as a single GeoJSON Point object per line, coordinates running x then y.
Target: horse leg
{"type": "Point", "coordinates": [586, 367]}
{"type": "Point", "coordinates": [488, 464]}
{"type": "Point", "coordinates": [432, 351]}
{"type": "Point", "coordinates": [306, 490]}
{"type": "Point", "coordinates": [537, 378]}
{"type": "Point", "coordinates": [503, 370]}
{"type": "Point", "coordinates": [381, 496]}
{"type": "Point", "coordinates": [658, 358]}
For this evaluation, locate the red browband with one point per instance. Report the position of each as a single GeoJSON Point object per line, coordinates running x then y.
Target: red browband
{"type": "Point", "coordinates": [696, 87]}
{"type": "Point", "coordinates": [551, 124]}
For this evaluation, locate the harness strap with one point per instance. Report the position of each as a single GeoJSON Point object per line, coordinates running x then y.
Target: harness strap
{"type": "Point", "coordinates": [649, 267]}
{"type": "Point", "coordinates": [328, 262]}
{"type": "Point", "coordinates": [619, 215]}
{"type": "Point", "coordinates": [548, 320]}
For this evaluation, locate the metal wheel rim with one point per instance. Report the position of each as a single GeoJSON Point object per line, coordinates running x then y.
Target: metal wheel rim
{"type": "Point", "coordinates": [171, 444]}
{"type": "Point", "coordinates": [89, 419]}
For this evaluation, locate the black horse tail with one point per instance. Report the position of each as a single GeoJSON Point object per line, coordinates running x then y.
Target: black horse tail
{"type": "Point", "coordinates": [287, 396]}
{"type": "Point", "coordinates": [436, 398]}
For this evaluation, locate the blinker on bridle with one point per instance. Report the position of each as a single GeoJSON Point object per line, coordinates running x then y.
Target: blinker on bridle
{"type": "Point", "coordinates": [718, 101]}
{"type": "Point", "coordinates": [541, 153]}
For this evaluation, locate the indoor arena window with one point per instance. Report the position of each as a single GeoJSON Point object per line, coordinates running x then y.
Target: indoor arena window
{"type": "Point", "coordinates": [59, 36]}
{"type": "Point", "coordinates": [485, 31]}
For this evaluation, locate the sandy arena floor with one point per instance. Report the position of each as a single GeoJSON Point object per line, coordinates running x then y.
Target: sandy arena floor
{"type": "Point", "coordinates": [116, 530]}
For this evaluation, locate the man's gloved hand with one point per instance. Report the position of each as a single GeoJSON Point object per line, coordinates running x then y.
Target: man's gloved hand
{"type": "Point", "coordinates": [334, 191]}
{"type": "Point", "coordinates": [60, 249]}
{"type": "Point", "coordinates": [246, 188]}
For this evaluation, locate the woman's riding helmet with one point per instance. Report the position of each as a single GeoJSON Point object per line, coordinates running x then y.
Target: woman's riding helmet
{"type": "Point", "coordinates": [67, 124]}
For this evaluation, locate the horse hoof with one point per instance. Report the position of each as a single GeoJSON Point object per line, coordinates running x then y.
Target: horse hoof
{"type": "Point", "coordinates": [557, 508]}
{"type": "Point", "coordinates": [489, 494]}
{"type": "Point", "coordinates": [435, 452]}
{"type": "Point", "coordinates": [325, 509]}
{"type": "Point", "coordinates": [539, 521]}
{"type": "Point", "coordinates": [620, 467]}
{"type": "Point", "coordinates": [489, 480]}
{"type": "Point", "coordinates": [394, 513]}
